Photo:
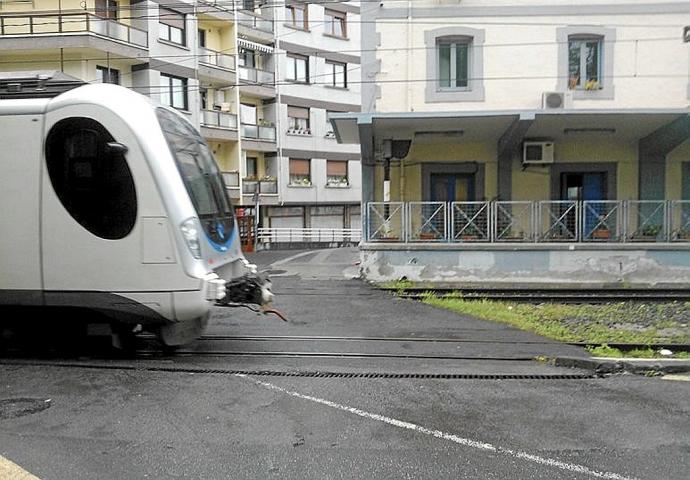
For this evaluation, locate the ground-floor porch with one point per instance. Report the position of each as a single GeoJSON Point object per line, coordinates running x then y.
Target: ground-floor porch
{"type": "Point", "coordinates": [538, 197]}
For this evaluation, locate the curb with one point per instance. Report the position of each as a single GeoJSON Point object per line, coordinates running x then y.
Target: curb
{"type": "Point", "coordinates": [637, 366]}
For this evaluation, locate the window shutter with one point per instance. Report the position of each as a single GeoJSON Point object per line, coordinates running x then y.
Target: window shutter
{"type": "Point", "coordinates": [298, 112]}
{"type": "Point", "coordinates": [171, 18]}
{"type": "Point", "coordinates": [336, 168]}
{"type": "Point", "coordinates": [299, 166]}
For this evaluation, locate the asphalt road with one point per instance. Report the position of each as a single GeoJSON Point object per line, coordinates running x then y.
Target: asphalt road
{"type": "Point", "coordinates": [134, 421]}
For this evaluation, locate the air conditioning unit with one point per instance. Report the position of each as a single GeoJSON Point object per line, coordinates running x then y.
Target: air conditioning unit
{"type": "Point", "coordinates": [556, 100]}
{"type": "Point", "coordinates": [537, 153]}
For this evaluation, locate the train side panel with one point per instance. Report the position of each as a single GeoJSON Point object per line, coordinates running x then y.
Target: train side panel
{"type": "Point", "coordinates": [20, 254]}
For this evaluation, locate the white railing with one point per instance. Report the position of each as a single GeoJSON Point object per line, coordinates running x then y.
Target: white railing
{"type": "Point", "coordinates": [248, 20]}
{"type": "Point", "coordinates": [216, 59]}
{"type": "Point", "coordinates": [258, 132]}
{"type": "Point", "coordinates": [254, 75]}
{"type": "Point", "coordinates": [529, 221]}
{"type": "Point", "coordinates": [310, 235]}
{"type": "Point", "coordinates": [214, 118]}
{"type": "Point", "coordinates": [70, 23]}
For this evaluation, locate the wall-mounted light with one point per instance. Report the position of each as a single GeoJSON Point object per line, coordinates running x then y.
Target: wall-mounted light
{"type": "Point", "coordinates": [591, 130]}
{"type": "Point", "coordinates": [439, 134]}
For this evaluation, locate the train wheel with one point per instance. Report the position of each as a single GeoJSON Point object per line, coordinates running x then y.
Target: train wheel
{"type": "Point", "coordinates": [181, 333]}
{"type": "Point", "coordinates": [123, 337]}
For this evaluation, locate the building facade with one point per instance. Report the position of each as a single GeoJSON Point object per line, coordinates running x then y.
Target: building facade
{"type": "Point", "coordinates": [222, 65]}
{"type": "Point", "coordinates": [518, 141]}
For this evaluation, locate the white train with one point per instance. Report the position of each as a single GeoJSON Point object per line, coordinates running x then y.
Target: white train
{"type": "Point", "coordinates": [115, 203]}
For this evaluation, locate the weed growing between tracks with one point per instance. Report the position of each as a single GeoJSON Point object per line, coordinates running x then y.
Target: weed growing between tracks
{"type": "Point", "coordinates": [620, 322]}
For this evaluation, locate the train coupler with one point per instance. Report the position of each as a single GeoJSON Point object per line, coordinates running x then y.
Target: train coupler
{"type": "Point", "coordinates": [252, 291]}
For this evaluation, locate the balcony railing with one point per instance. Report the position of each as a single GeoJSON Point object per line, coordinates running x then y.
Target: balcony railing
{"type": "Point", "coordinates": [214, 118]}
{"type": "Point", "coordinates": [70, 23]}
{"type": "Point", "coordinates": [216, 59]}
{"type": "Point", "coordinates": [262, 187]}
{"type": "Point", "coordinates": [231, 179]}
{"type": "Point", "coordinates": [254, 75]}
{"type": "Point", "coordinates": [258, 132]}
{"type": "Point", "coordinates": [256, 22]}
{"type": "Point", "coordinates": [529, 222]}
{"type": "Point", "coordinates": [311, 235]}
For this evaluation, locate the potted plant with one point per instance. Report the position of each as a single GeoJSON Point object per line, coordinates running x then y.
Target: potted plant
{"type": "Point", "coordinates": [650, 232]}
{"type": "Point", "coordinates": [601, 233]}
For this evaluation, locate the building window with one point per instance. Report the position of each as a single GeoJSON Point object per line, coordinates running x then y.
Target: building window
{"type": "Point", "coordinates": [106, 9]}
{"type": "Point", "coordinates": [252, 168]}
{"type": "Point", "coordinates": [584, 63]}
{"type": "Point", "coordinates": [336, 74]}
{"type": "Point", "coordinates": [297, 68]}
{"type": "Point", "coordinates": [335, 23]}
{"type": "Point", "coordinates": [107, 75]}
{"type": "Point", "coordinates": [300, 172]}
{"type": "Point", "coordinates": [247, 58]}
{"type": "Point", "coordinates": [336, 173]}
{"type": "Point", "coordinates": [174, 91]}
{"type": "Point", "coordinates": [453, 64]}
{"type": "Point", "coordinates": [298, 120]}
{"type": "Point", "coordinates": [202, 37]}
{"type": "Point", "coordinates": [296, 16]}
{"type": "Point", "coordinates": [171, 25]}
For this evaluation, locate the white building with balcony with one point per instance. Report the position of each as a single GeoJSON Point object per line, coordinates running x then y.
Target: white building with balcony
{"type": "Point", "coordinates": [318, 71]}
{"type": "Point", "coordinates": [525, 142]}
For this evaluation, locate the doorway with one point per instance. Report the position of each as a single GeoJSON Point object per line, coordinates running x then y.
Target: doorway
{"type": "Point", "coordinates": [452, 187]}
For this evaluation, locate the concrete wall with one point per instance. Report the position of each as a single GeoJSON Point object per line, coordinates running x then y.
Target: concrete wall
{"type": "Point", "coordinates": [521, 53]}
{"type": "Point", "coordinates": [543, 266]}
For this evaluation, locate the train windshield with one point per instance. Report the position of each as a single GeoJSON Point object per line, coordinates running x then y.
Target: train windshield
{"type": "Point", "coordinates": [201, 177]}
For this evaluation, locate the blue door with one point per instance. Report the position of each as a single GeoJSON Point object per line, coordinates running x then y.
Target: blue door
{"type": "Point", "coordinates": [586, 186]}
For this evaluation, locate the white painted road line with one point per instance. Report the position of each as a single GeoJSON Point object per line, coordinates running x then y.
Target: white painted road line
{"type": "Point", "coordinates": [571, 467]}
{"type": "Point", "coordinates": [12, 471]}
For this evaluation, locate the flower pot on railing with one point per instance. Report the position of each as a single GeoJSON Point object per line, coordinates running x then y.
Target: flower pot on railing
{"type": "Point", "coordinates": [601, 234]}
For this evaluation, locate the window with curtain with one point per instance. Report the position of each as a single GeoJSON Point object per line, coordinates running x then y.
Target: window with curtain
{"type": "Point", "coordinates": [171, 26]}
{"type": "Point", "coordinates": [247, 58]}
{"type": "Point", "coordinates": [300, 172]}
{"type": "Point", "coordinates": [174, 91]}
{"type": "Point", "coordinates": [335, 23]}
{"type": "Point", "coordinates": [298, 120]}
{"type": "Point", "coordinates": [297, 68]}
{"type": "Point", "coordinates": [584, 63]}
{"type": "Point", "coordinates": [336, 74]}
{"type": "Point", "coordinates": [336, 173]}
{"type": "Point", "coordinates": [453, 63]}
{"type": "Point", "coordinates": [248, 114]}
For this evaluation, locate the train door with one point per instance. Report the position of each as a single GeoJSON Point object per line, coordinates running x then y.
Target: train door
{"type": "Point", "coordinates": [20, 153]}
{"type": "Point", "coordinates": [92, 197]}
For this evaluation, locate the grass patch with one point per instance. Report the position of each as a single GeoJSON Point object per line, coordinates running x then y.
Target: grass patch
{"type": "Point", "coordinates": [621, 322]}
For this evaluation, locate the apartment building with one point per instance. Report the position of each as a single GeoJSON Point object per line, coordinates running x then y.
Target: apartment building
{"type": "Point", "coordinates": [319, 72]}
{"type": "Point", "coordinates": [220, 64]}
{"type": "Point", "coordinates": [525, 142]}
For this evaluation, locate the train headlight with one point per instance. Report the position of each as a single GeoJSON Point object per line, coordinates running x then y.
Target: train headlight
{"type": "Point", "coordinates": [190, 232]}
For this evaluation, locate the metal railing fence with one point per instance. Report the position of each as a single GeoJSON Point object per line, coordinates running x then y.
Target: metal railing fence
{"type": "Point", "coordinates": [529, 221]}
{"type": "Point", "coordinates": [311, 235]}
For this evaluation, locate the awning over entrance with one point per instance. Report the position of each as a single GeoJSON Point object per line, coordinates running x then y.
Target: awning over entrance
{"type": "Point", "coordinates": [660, 129]}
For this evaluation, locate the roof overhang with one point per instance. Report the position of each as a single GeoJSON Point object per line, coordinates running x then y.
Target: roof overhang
{"type": "Point", "coordinates": [507, 128]}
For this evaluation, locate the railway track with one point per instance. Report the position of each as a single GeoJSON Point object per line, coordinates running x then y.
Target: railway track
{"type": "Point", "coordinates": [550, 295]}
{"type": "Point", "coordinates": [205, 347]}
